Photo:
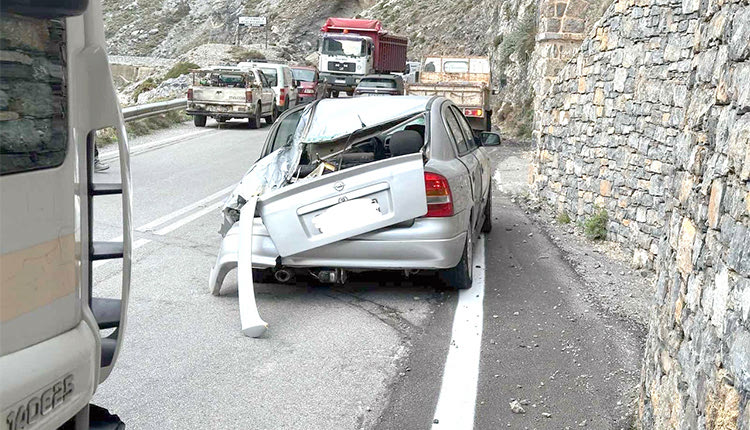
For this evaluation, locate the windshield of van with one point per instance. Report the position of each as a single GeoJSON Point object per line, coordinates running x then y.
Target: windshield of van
{"type": "Point", "coordinates": [304, 75]}
{"type": "Point", "coordinates": [272, 75]}
{"type": "Point", "coordinates": [348, 47]}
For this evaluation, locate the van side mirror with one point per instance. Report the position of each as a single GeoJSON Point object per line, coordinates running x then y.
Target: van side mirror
{"type": "Point", "coordinates": [487, 138]}
{"type": "Point", "coordinates": [296, 83]}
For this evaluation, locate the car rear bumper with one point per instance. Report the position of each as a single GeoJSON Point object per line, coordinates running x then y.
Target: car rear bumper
{"type": "Point", "coordinates": [427, 243]}
{"type": "Point", "coordinates": [233, 111]}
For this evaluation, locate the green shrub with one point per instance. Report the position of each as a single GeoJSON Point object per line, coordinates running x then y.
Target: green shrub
{"type": "Point", "coordinates": [595, 228]}
{"type": "Point", "coordinates": [239, 53]}
{"type": "Point", "coordinates": [563, 218]}
{"type": "Point", "coordinates": [180, 69]}
{"type": "Point", "coordinates": [520, 41]}
{"type": "Point", "coordinates": [147, 85]}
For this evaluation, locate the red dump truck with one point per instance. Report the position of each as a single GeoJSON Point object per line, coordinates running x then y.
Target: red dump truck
{"type": "Point", "coordinates": [352, 48]}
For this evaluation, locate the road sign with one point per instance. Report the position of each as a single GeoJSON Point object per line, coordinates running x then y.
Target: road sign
{"type": "Point", "coordinates": [253, 21]}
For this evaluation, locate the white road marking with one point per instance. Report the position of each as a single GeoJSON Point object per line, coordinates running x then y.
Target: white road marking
{"type": "Point", "coordinates": [207, 204]}
{"type": "Point", "coordinates": [189, 208]}
{"type": "Point", "coordinates": [134, 150]}
{"type": "Point", "coordinates": [458, 392]}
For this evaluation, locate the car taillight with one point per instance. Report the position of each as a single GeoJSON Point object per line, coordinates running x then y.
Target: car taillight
{"type": "Point", "coordinates": [190, 94]}
{"type": "Point", "coordinates": [248, 96]}
{"type": "Point", "coordinates": [473, 112]}
{"type": "Point", "coordinates": [282, 95]}
{"type": "Point", "coordinates": [439, 200]}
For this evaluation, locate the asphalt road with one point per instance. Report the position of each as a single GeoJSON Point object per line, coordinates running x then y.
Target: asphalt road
{"type": "Point", "coordinates": [369, 354]}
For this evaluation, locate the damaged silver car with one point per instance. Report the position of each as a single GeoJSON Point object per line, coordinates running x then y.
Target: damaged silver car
{"type": "Point", "coordinates": [361, 184]}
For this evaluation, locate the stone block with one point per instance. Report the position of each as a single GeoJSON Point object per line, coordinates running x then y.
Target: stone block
{"type": "Point", "coordinates": [739, 42]}
{"type": "Point", "coordinates": [573, 25]}
{"type": "Point", "coordinates": [685, 246]}
{"type": "Point", "coordinates": [714, 204]}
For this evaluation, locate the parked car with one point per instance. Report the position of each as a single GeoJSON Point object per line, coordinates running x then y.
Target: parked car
{"type": "Point", "coordinates": [282, 81]}
{"type": "Point", "coordinates": [361, 184]}
{"type": "Point", "coordinates": [380, 85]}
{"type": "Point", "coordinates": [311, 86]}
{"type": "Point", "coordinates": [224, 93]}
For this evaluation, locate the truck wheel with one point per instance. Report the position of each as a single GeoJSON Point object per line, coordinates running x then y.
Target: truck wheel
{"type": "Point", "coordinates": [222, 119]}
{"type": "Point", "coordinates": [199, 120]}
{"type": "Point", "coordinates": [254, 122]}
{"type": "Point", "coordinates": [489, 120]}
{"type": "Point", "coordinates": [335, 93]}
{"type": "Point", "coordinates": [459, 277]}
{"type": "Point", "coordinates": [274, 114]}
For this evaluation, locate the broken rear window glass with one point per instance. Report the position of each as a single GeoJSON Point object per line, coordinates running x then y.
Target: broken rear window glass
{"type": "Point", "coordinates": [33, 94]}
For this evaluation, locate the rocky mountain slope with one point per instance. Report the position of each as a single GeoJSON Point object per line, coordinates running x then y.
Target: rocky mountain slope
{"type": "Point", "coordinates": [504, 30]}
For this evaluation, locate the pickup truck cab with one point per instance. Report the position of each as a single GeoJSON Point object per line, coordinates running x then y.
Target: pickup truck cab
{"type": "Point", "coordinates": [282, 81]}
{"type": "Point", "coordinates": [224, 93]}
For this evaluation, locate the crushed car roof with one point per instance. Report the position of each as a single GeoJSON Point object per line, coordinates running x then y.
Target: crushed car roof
{"type": "Point", "coordinates": [335, 118]}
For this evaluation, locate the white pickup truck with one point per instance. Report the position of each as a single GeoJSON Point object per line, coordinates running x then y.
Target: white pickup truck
{"type": "Point", "coordinates": [224, 93]}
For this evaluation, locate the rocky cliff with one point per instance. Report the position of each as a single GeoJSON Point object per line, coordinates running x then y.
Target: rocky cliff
{"type": "Point", "coordinates": [205, 32]}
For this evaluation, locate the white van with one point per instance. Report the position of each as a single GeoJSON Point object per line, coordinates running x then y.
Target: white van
{"type": "Point", "coordinates": [281, 79]}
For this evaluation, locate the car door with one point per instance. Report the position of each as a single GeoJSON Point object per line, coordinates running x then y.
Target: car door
{"type": "Point", "coordinates": [267, 94]}
{"type": "Point", "coordinates": [482, 158]}
{"type": "Point", "coordinates": [292, 89]}
{"type": "Point", "coordinates": [464, 150]}
{"type": "Point", "coordinates": [343, 204]}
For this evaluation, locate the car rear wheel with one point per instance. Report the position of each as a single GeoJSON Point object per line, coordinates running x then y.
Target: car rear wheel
{"type": "Point", "coordinates": [199, 120]}
{"type": "Point", "coordinates": [334, 93]}
{"type": "Point", "coordinates": [350, 93]}
{"type": "Point", "coordinates": [254, 122]}
{"type": "Point", "coordinates": [487, 225]}
{"type": "Point", "coordinates": [459, 277]}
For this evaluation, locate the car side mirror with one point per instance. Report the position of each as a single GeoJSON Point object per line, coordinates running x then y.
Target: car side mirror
{"type": "Point", "coordinates": [296, 83]}
{"type": "Point", "coordinates": [487, 138]}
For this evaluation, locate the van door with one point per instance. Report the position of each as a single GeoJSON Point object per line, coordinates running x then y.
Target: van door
{"type": "Point", "coordinates": [340, 205]}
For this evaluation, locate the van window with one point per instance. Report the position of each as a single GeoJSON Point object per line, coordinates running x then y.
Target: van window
{"type": "Point", "coordinates": [271, 74]}
{"type": "Point", "coordinates": [33, 94]}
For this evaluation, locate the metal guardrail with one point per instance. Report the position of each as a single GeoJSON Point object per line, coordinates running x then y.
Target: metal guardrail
{"type": "Point", "coordinates": [133, 113]}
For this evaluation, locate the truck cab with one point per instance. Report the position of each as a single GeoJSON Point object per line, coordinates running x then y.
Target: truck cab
{"type": "Point", "coordinates": [58, 338]}
{"type": "Point", "coordinates": [351, 48]}
{"type": "Point", "coordinates": [344, 60]}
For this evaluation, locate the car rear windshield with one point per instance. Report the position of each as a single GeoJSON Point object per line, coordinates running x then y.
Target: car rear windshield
{"type": "Point", "coordinates": [271, 74]}
{"type": "Point", "coordinates": [378, 83]}
{"type": "Point", "coordinates": [222, 79]}
{"type": "Point", "coordinates": [304, 75]}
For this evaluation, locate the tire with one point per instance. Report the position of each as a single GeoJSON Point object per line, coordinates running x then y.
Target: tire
{"type": "Point", "coordinates": [350, 93]}
{"type": "Point", "coordinates": [274, 114]}
{"type": "Point", "coordinates": [335, 94]}
{"type": "Point", "coordinates": [199, 120]}
{"type": "Point", "coordinates": [487, 224]}
{"type": "Point", "coordinates": [222, 119]}
{"type": "Point", "coordinates": [286, 104]}
{"type": "Point", "coordinates": [254, 122]}
{"type": "Point", "coordinates": [459, 277]}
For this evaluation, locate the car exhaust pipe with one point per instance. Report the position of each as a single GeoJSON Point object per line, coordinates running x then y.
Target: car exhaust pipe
{"type": "Point", "coordinates": [282, 275]}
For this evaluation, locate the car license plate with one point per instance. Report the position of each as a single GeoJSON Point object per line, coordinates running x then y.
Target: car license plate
{"type": "Point", "coordinates": [347, 215]}
{"type": "Point", "coordinates": [27, 412]}
{"type": "Point", "coordinates": [340, 81]}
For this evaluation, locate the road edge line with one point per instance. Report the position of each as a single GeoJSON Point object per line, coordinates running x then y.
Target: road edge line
{"type": "Point", "coordinates": [456, 404]}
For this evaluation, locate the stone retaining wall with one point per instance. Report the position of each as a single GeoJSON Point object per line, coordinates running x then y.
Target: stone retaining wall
{"type": "Point", "coordinates": [651, 121]}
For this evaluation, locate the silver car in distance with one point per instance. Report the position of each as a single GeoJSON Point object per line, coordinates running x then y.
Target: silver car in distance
{"type": "Point", "coordinates": [361, 184]}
